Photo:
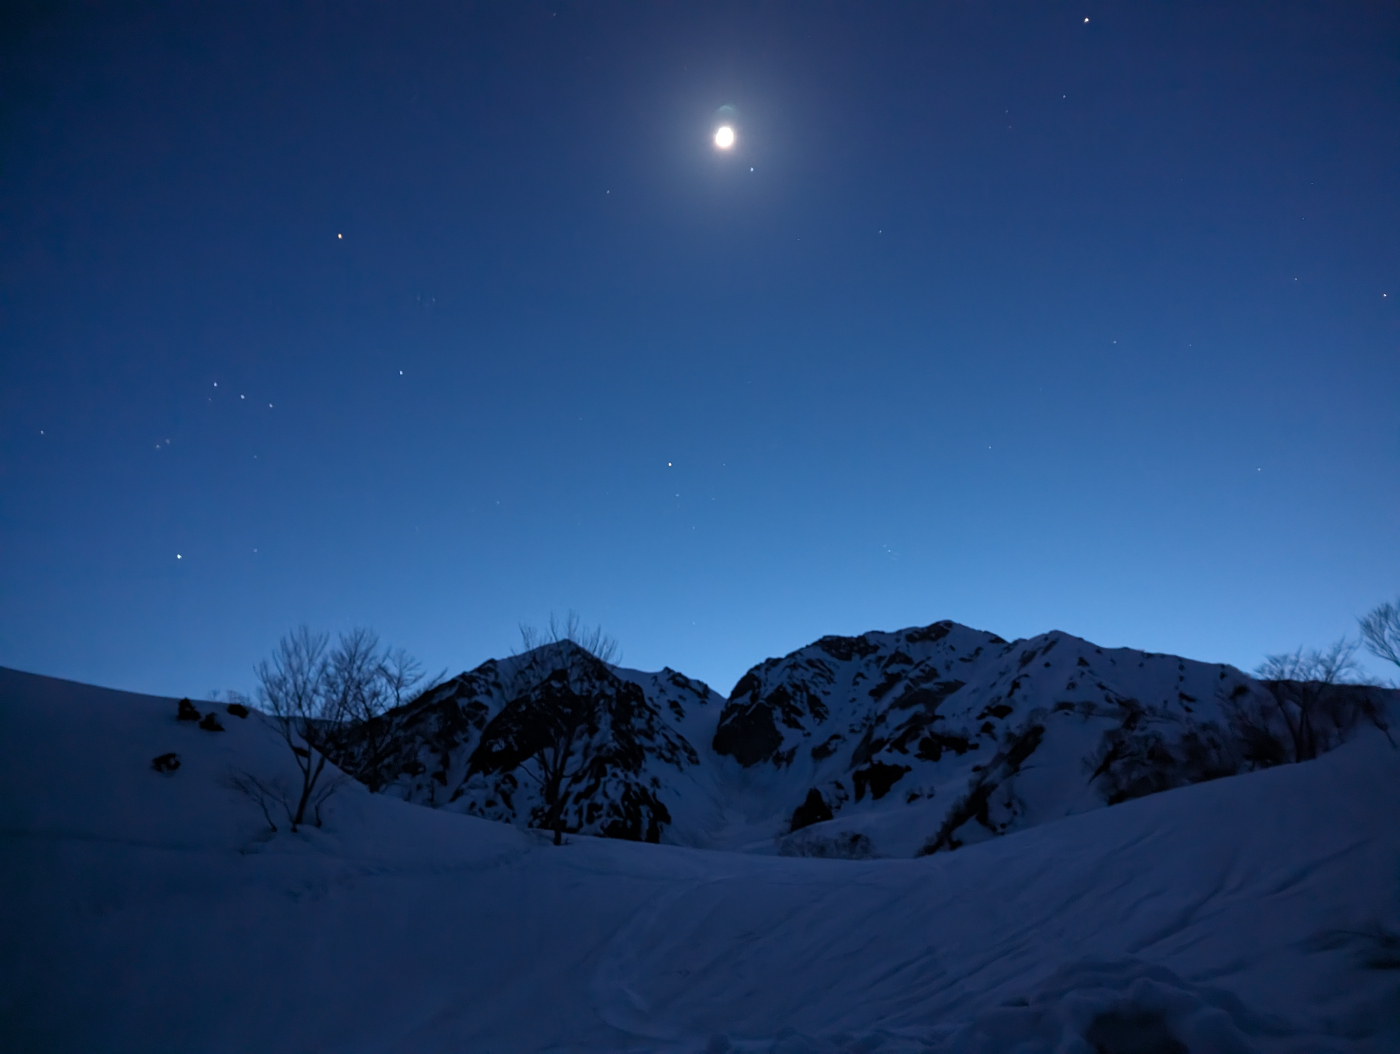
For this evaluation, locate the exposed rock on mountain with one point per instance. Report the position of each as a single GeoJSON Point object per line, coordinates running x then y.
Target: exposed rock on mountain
{"type": "Point", "coordinates": [926, 739]}
{"type": "Point", "coordinates": [553, 739]}
{"type": "Point", "coordinates": [902, 743]}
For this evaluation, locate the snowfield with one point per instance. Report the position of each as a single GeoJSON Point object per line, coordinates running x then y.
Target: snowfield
{"type": "Point", "coordinates": [150, 911]}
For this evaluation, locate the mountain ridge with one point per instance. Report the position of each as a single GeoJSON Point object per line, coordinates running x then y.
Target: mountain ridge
{"type": "Point", "coordinates": [900, 743]}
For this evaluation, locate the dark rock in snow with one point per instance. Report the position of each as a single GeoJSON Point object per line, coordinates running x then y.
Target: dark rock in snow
{"type": "Point", "coordinates": [879, 777]}
{"type": "Point", "coordinates": [748, 735]}
{"type": "Point", "coordinates": [813, 810]}
{"type": "Point", "coordinates": [166, 763]}
{"type": "Point", "coordinates": [185, 711]}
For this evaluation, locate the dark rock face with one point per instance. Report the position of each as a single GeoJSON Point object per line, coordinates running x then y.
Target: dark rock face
{"type": "Point", "coordinates": [975, 804]}
{"type": "Point", "coordinates": [185, 711]}
{"type": "Point", "coordinates": [429, 739]}
{"type": "Point", "coordinates": [747, 734]}
{"type": "Point", "coordinates": [879, 777]}
{"type": "Point", "coordinates": [813, 810]}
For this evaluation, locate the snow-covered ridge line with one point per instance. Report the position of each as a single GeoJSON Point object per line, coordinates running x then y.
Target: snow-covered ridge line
{"type": "Point", "coordinates": [883, 744]}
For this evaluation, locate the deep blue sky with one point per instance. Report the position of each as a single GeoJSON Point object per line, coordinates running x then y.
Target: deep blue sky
{"type": "Point", "coordinates": [994, 314]}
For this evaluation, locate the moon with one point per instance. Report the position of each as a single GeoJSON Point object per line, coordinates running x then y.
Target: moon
{"type": "Point", "coordinates": [724, 137]}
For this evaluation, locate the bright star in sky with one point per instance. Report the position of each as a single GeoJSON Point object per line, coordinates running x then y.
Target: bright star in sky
{"type": "Point", "coordinates": [724, 137]}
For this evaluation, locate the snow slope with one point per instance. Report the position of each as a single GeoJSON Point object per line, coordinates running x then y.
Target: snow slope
{"type": "Point", "coordinates": [148, 911]}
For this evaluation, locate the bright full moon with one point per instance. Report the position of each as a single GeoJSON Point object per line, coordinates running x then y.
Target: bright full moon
{"type": "Point", "coordinates": [724, 138]}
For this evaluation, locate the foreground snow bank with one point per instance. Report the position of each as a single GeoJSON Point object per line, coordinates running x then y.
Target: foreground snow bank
{"type": "Point", "coordinates": [150, 911]}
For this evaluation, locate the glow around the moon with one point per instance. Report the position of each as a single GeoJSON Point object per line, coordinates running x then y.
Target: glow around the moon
{"type": "Point", "coordinates": [724, 137]}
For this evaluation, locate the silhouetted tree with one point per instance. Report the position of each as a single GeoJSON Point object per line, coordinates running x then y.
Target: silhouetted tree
{"type": "Point", "coordinates": [557, 667]}
{"type": "Point", "coordinates": [318, 697]}
{"type": "Point", "coordinates": [1380, 630]}
{"type": "Point", "coordinates": [371, 680]}
{"type": "Point", "coordinates": [1316, 697]}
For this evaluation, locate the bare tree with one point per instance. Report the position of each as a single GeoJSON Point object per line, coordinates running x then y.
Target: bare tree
{"type": "Point", "coordinates": [329, 705]}
{"type": "Point", "coordinates": [296, 689]}
{"type": "Point", "coordinates": [264, 793]}
{"type": "Point", "coordinates": [1335, 664]}
{"type": "Point", "coordinates": [404, 677]}
{"type": "Point", "coordinates": [557, 672]}
{"type": "Point", "coordinates": [368, 681]}
{"type": "Point", "coordinates": [1317, 696]}
{"type": "Point", "coordinates": [571, 628]}
{"type": "Point", "coordinates": [1380, 630]}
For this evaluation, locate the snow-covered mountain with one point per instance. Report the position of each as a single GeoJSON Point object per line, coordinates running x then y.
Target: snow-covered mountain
{"type": "Point", "coordinates": [883, 744]}
{"type": "Point", "coordinates": [617, 745]}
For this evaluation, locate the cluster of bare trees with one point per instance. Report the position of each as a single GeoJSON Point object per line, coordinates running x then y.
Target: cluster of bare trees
{"type": "Point", "coordinates": [315, 695]}
{"type": "Point", "coordinates": [1316, 697]}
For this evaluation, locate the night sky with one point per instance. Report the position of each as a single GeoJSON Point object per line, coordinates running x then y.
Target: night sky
{"type": "Point", "coordinates": [441, 318]}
